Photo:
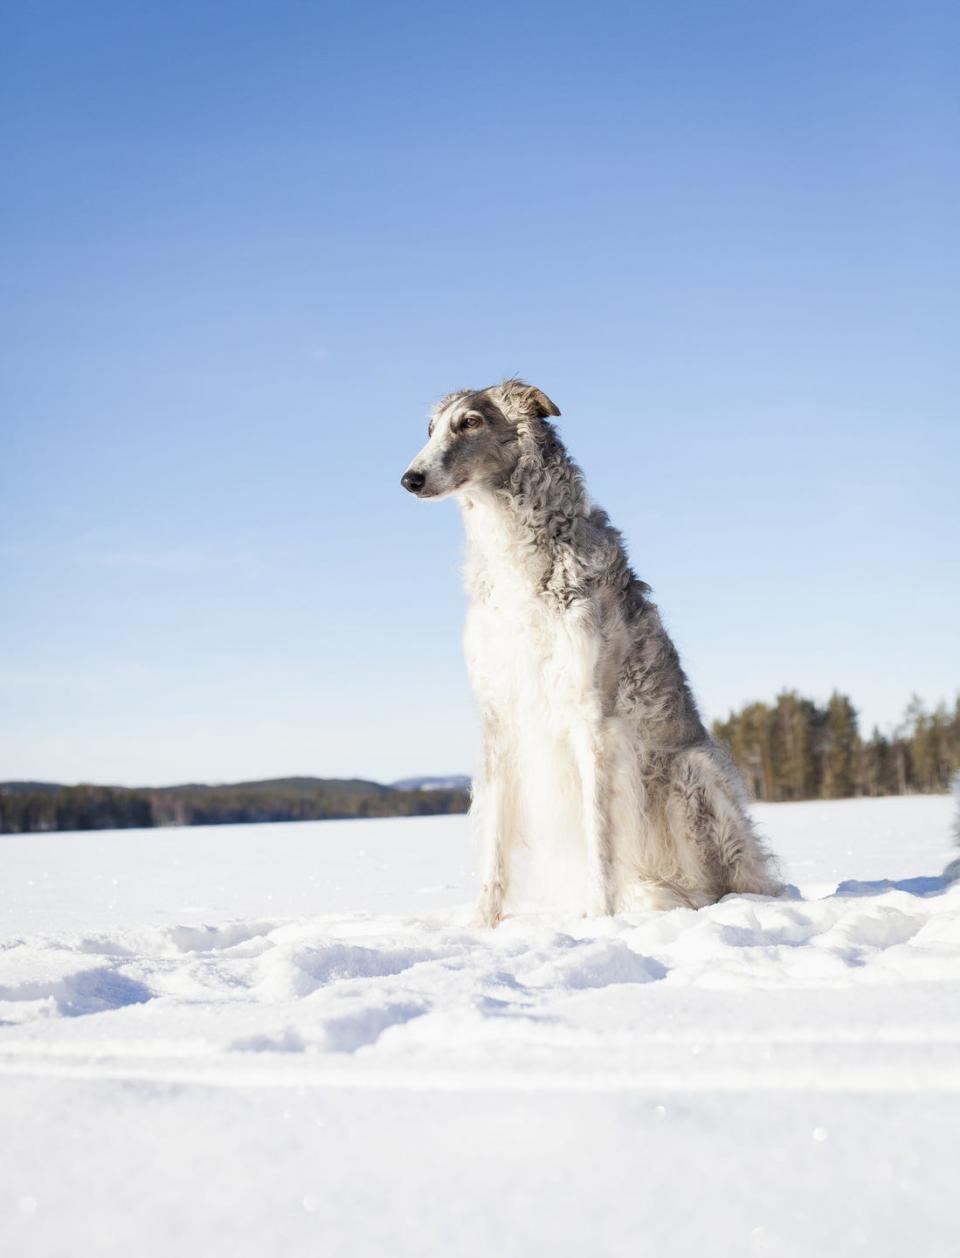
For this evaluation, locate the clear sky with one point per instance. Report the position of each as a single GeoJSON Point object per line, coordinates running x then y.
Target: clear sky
{"type": "Point", "coordinates": [246, 245]}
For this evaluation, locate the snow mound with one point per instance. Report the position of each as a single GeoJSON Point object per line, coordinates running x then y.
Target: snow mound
{"type": "Point", "coordinates": [340, 983]}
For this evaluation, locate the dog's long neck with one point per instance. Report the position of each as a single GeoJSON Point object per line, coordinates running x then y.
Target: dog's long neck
{"type": "Point", "coordinates": [523, 532]}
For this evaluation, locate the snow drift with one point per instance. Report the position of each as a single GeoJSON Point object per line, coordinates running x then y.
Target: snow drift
{"type": "Point", "coordinates": [288, 1039]}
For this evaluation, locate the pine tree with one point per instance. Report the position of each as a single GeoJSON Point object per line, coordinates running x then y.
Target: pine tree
{"type": "Point", "coordinates": [793, 727]}
{"type": "Point", "coordinates": [839, 747]}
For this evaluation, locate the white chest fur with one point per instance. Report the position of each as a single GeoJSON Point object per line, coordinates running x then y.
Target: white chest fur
{"type": "Point", "coordinates": [532, 666]}
{"type": "Point", "coordinates": [526, 655]}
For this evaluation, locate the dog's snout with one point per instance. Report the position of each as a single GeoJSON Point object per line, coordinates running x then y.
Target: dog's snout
{"type": "Point", "coordinates": [413, 481]}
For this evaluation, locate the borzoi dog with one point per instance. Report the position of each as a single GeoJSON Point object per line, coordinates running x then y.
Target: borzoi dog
{"type": "Point", "coordinates": [581, 692]}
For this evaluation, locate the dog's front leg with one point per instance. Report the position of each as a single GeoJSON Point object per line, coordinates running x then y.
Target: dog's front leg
{"type": "Point", "coordinates": [494, 810]}
{"type": "Point", "coordinates": [593, 763]}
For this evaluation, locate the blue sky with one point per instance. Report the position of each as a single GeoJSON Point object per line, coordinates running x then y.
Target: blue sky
{"type": "Point", "coordinates": [245, 246]}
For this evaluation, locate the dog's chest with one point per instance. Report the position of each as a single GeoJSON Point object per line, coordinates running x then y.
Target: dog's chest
{"type": "Point", "coordinates": [523, 653]}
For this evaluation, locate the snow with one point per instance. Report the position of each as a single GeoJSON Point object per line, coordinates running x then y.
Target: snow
{"type": "Point", "coordinates": [286, 1039]}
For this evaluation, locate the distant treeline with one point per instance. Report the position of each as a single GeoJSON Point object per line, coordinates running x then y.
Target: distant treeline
{"type": "Point", "coordinates": [794, 749]}
{"type": "Point", "coordinates": [31, 806]}
{"type": "Point", "coordinates": [789, 749]}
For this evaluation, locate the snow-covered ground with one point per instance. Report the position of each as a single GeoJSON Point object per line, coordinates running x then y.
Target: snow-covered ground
{"type": "Point", "coordinates": [285, 1040]}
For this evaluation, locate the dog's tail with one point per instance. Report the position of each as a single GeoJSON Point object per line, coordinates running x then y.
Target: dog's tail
{"type": "Point", "coordinates": [753, 869]}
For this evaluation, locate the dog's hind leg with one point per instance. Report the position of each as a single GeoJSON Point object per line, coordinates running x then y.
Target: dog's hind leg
{"type": "Point", "coordinates": [494, 809]}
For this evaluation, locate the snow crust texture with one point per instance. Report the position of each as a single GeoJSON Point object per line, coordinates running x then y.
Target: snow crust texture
{"type": "Point", "coordinates": [377, 1076]}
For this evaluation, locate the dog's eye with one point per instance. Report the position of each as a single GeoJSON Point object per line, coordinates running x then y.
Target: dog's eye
{"type": "Point", "coordinates": [472, 421]}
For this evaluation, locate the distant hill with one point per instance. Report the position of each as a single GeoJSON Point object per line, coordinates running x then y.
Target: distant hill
{"type": "Point", "coordinates": [285, 786]}
{"type": "Point", "coordinates": [455, 782]}
{"type": "Point", "coordinates": [42, 806]}
{"type": "Point", "coordinates": [25, 788]}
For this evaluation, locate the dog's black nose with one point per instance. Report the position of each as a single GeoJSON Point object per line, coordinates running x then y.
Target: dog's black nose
{"type": "Point", "coordinates": [413, 481]}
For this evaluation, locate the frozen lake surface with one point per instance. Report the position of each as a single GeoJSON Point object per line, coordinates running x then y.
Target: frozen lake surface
{"type": "Point", "coordinates": [286, 1039]}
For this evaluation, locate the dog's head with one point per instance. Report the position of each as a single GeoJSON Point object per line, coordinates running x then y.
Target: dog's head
{"type": "Point", "coordinates": [474, 438]}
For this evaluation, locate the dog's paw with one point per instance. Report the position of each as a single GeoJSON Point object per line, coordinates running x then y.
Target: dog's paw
{"type": "Point", "coordinates": [489, 911]}
{"type": "Point", "coordinates": [484, 919]}
{"type": "Point", "coordinates": [600, 903]}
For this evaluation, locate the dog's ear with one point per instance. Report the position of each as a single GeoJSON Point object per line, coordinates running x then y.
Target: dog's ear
{"type": "Point", "coordinates": [520, 401]}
